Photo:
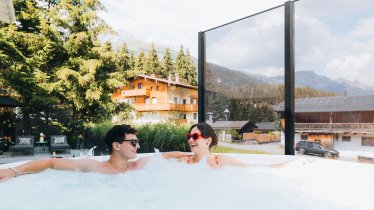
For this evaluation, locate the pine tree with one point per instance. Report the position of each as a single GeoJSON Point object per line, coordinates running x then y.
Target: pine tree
{"type": "Point", "coordinates": [123, 59]}
{"type": "Point", "coordinates": [190, 74]}
{"type": "Point", "coordinates": [167, 65]}
{"type": "Point", "coordinates": [180, 63]}
{"type": "Point", "coordinates": [152, 62]}
{"type": "Point", "coordinates": [132, 61]}
{"type": "Point", "coordinates": [140, 64]}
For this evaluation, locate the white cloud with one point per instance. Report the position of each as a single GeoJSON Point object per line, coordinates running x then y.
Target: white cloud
{"type": "Point", "coordinates": [250, 43]}
{"type": "Point", "coordinates": [177, 22]}
{"type": "Point", "coordinates": [347, 65]}
{"type": "Point", "coordinates": [365, 28]}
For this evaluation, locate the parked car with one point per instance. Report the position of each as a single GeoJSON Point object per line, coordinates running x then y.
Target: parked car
{"type": "Point", "coordinates": [308, 147]}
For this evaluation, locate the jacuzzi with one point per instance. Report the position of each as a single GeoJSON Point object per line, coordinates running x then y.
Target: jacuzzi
{"type": "Point", "coordinates": [306, 183]}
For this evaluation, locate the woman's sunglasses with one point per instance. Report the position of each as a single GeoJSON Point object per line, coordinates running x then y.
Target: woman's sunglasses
{"type": "Point", "coordinates": [133, 142]}
{"type": "Point", "coordinates": [195, 136]}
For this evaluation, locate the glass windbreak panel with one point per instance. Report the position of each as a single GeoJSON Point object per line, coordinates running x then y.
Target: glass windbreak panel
{"type": "Point", "coordinates": [334, 75]}
{"type": "Point", "coordinates": [245, 81]}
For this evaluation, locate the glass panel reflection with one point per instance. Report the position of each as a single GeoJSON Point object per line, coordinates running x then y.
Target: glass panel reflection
{"type": "Point", "coordinates": [244, 82]}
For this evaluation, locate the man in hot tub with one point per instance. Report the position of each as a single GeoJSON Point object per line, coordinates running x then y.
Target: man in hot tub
{"type": "Point", "coordinates": [122, 143]}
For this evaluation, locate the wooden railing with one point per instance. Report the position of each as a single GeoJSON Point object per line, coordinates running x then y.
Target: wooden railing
{"type": "Point", "coordinates": [166, 107]}
{"type": "Point", "coordinates": [334, 127]}
{"type": "Point", "coordinates": [138, 92]}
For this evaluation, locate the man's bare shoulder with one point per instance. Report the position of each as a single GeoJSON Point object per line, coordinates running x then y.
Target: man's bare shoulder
{"type": "Point", "coordinates": [141, 162]}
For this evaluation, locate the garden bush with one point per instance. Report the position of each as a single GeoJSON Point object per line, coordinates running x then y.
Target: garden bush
{"type": "Point", "coordinates": [95, 135]}
{"type": "Point", "coordinates": [163, 136]}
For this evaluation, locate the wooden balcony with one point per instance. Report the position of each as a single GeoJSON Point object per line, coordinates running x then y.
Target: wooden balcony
{"type": "Point", "coordinates": [132, 93]}
{"type": "Point", "coordinates": [166, 107]}
{"type": "Point", "coordinates": [334, 127]}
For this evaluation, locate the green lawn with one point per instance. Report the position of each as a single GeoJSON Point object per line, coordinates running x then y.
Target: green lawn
{"type": "Point", "coordinates": [221, 149]}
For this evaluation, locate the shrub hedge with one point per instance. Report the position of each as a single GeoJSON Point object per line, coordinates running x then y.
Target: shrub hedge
{"type": "Point", "coordinates": [163, 136]}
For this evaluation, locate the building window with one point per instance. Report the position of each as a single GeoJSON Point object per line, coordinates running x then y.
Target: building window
{"type": "Point", "coordinates": [194, 101]}
{"type": "Point", "coordinates": [195, 116]}
{"type": "Point", "coordinates": [140, 86]}
{"type": "Point", "coordinates": [132, 87]}
{"type": "Point", "coordinates": [147, 100]}
{"type": "Point", "coordinates": [346, 138]}
{"type": "Point", "coordinates": [154, 100]}
{"type": "Point", "coordinates": [151, 88]}
{"type": "Point", "coordinates": [183, 116]}
{"type": "Point", "coordinates": [184, 101]}
{"type": "Point", "coordinates": [157, 88]}
{"type": "Point", "coordinates": [304, 137]}
{"type": "Point", "coordinates": [175, 100]}
{"type": "Point", "coordinates": [367, 141]}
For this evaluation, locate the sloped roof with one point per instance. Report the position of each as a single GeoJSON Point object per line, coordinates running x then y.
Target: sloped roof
{"type": "Point", "coordinates": [332, 104]}
{"type": "Point", "coordinates": [227, 124]}
{"type": "Point", "coordinates": [6, 101]}
{"type": "Point", "coordinates": [265, 126]}
{"type": "Point", "coordinates": [167, 81]}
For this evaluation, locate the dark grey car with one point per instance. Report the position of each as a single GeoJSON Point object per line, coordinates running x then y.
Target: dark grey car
{"type": "Point", "coordinates": [308, 147]}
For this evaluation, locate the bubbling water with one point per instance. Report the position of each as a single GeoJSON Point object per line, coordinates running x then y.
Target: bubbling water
{"type": "Point", "coordinates": [167, 184]}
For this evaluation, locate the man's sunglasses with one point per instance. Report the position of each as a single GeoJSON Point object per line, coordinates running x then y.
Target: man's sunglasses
{"type": "Point", "coordinates": [195, 136]}
{"type": "Point", "coordinates": [133, 142]}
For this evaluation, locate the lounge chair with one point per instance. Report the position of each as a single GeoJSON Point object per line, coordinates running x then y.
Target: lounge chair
{"type": "Point", "coordinates": [23, 143]}
{"type": "Point", "coordinates": [59, 142]}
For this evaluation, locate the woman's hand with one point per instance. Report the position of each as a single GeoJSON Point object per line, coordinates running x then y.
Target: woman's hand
{"type": "Point", "coordinates": [6, 174]}
{"type": "Point", "coordinates": [176, 154]}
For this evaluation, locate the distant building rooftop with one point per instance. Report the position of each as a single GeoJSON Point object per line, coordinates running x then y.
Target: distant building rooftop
{"type": "Point", "coordinates": [227, 124]}
{"type": "Point", "coordinates": [265, 126]}
{"type": "Point", "coordinates": [171, 82]}
{"type": "Point", "coordinates": [332, 104]}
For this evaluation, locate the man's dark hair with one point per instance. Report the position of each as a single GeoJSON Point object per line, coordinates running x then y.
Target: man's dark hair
{"type": "Point", "coordinates": [116, 134]}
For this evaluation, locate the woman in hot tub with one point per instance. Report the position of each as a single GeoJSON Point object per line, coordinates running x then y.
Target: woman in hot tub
{"type": "Point", "coordinates": [201, 138]}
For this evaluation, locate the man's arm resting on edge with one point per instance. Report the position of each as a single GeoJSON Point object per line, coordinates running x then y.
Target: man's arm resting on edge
{"type": "Point", "coordinates": [40, 165]}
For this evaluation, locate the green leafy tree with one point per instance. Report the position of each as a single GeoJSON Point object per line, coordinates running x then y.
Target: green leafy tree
{"type": "Point", "coordinates": [53, 59]}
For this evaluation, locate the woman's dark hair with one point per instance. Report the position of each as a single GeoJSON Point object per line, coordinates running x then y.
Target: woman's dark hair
{"type": "Point", "coordinates": [116, 134]}
{"type": "Point", "coordinates": [206, 131]}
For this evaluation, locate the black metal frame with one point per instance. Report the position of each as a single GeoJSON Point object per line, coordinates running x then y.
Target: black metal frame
{"type": "Point", "coordinates": [289, 78]}
{"type": "Point", "coordinates": [201, 78]}
{"type": "Point", "coordinates": [289, 68]}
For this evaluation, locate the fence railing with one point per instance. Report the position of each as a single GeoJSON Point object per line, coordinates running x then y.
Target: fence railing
{"type": "Point", "coordinates": [334, 127]}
